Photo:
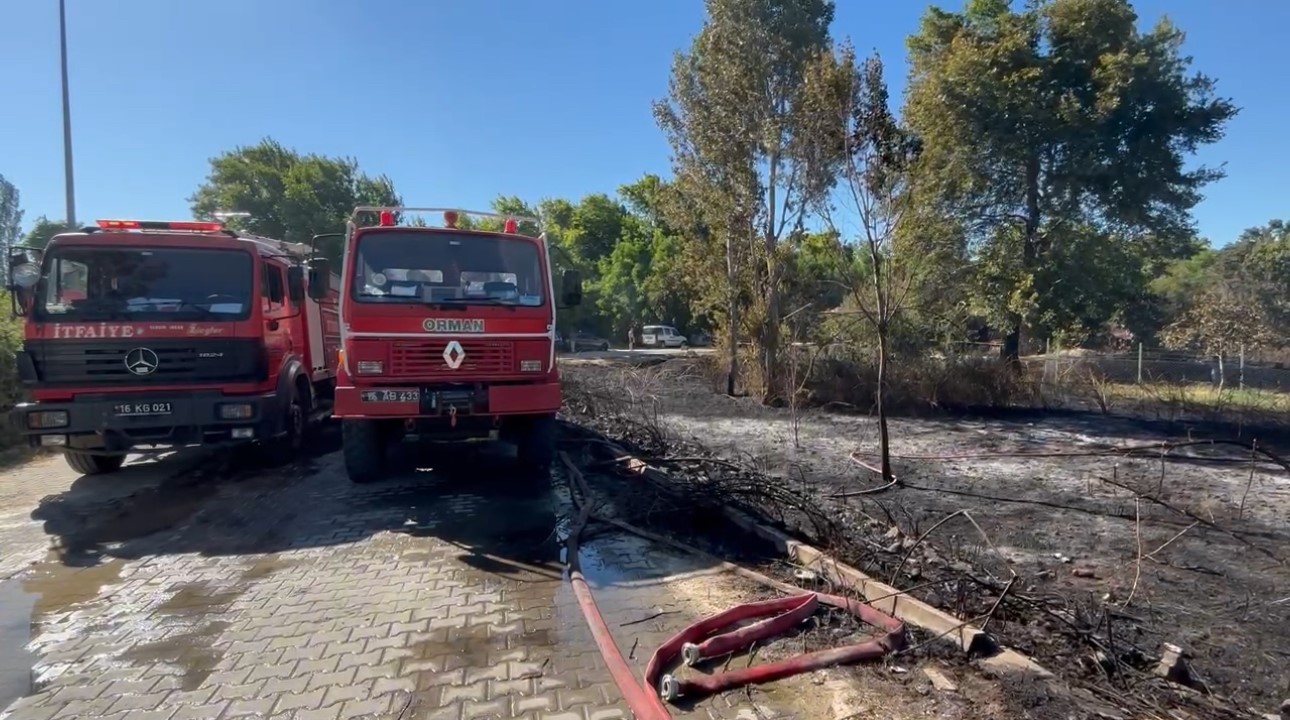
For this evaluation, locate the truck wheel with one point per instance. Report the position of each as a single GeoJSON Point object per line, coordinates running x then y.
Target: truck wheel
{"type": "Point", "coordinates": [535, 443]}
{"type": "Point", "coordinates": [286, 448]}
{"type": "Point", "coordinates": [364, 450]}
{"type": "Point", "coordinates": [87, 464]}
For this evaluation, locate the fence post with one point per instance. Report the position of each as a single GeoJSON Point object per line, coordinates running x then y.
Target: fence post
{"type": "Point", "coordinates": [1241, 380]}
{"type": "Point", "coordinates": [1139, 363]}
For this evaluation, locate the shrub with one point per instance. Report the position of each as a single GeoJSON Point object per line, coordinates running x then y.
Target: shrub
{"type": "Point", "coordinates": [11, 391]}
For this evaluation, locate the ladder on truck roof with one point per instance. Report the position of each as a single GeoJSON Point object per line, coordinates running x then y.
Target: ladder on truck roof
{"type": "Point", "coordinates": [381, 213]}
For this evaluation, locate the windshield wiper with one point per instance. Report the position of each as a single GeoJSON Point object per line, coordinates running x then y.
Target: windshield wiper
{"type": "Point", "coordinates": [204, 311]}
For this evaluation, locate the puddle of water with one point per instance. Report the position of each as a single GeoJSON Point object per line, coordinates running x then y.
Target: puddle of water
{"type": "Point", "coordinates": [15, 632]}
{"type": "Point", "coordinates": [266, 566]}
{"type": "Point", "coordinates": [27, 601]}
{"type": "Point", "coordinates": [191, 652]}
{"type": "Point", "coordinates": [60, 587]}
{"type": "Point", "coordinates": [197, 599]}
{"type": "Point", "coordinates": [470, 645]}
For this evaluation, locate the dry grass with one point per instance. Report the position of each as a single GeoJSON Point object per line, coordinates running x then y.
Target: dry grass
{"type": "Point", "coordinates": [1206, 396]}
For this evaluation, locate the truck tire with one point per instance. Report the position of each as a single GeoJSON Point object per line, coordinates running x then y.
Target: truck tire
{"type": "Point", "coordinates": [287, 447]}
{"type": "Point", "coordinates": [87, 464]}
{"type": "Point", "coordinates": [364, 451]}
{"type": "Point", "coordinates": [535, 443]}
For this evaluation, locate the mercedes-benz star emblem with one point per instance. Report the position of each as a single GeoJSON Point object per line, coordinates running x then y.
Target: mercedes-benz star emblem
{"type": "Point", "coordinates": [142, 361]}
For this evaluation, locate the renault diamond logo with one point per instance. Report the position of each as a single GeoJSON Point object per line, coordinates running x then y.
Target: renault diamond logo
{"type": "Point", "coordinates": [141, 361]}
{"type": "Point", "coordinates": [454, 355]}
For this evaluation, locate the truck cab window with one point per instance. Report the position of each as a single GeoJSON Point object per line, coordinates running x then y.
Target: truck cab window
{"type": "Point", "coordinates": [273, 287]}
{"type": "Point", "coordinates": [66, 284]}
{"type": "Point", "coordinates": [453, 268]}
{"type": "Point", "coordinates": [97, 282]}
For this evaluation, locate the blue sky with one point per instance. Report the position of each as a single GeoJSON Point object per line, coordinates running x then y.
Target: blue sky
{"type": "Point", "coordinates": [461, 100]}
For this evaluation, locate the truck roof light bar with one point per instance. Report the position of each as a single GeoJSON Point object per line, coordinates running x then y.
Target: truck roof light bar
{"type": "Point", "coordinates": [451, 216]}
{"type": "Point", "coordinates": [185, 225]}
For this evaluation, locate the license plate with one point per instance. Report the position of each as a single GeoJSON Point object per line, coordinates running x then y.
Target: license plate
{"type": "Point", "coordinates": [135, 409]}
{"type": "Point", "coordinates": [391, 396]}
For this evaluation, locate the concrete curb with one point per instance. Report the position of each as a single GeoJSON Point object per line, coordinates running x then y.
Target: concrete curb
{"type": "Point", "coordinates": [913, 611]}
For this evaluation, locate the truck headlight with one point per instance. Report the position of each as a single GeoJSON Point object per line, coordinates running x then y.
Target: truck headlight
{"type": "Point", "coordinates": [530, 366]}
{"type": "Point", "coordinates": [46, 419]}
{"type": "Point", "coordinates": [370, 367]}
{"type": "Point", "coordinates": [236, 411]}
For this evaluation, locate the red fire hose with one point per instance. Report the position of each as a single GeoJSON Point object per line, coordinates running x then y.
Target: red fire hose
{"type": "Point", "coordinates": [795, 611]}
{"type": "Point", "coordinates": [719, 635]}
{"type": "Point", "coordinates": [673, 688]}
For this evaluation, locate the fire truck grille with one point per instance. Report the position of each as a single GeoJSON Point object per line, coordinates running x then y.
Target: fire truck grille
{"type": "Point", "coordinates": [425, 358]}
{"type": "Point", "coordinates": [145, 362]}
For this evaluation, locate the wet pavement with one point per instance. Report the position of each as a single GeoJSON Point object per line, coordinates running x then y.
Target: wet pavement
{"type": "Point", "coordinates": [170, 593]}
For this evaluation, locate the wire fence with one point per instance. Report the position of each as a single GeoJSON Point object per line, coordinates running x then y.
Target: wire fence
{"type": "Point", "coordinates": [1143, 365]}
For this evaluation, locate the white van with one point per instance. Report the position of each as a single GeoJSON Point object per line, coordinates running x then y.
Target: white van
{"type": "Point", "coordinates": [662, 336]}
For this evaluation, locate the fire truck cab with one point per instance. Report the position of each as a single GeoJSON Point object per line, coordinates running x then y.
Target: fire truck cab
{"type": "Point", "coordinates": [145, 334]}
{"type": "Point", "coordinates": [448, 334]}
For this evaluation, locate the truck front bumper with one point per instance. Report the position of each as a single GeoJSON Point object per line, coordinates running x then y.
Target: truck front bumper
{"type": "Point", "coordinates": [117, 423]}
{"type": "Point", "coordinates": [410, 400]}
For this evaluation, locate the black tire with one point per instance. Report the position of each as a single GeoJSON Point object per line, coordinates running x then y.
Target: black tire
{"type": "Point", "coordinates": [288, 446]}
{"type": "Point", "coordinates": [364, 449]}
{"type": "Point", "coordinates": [685, 345]}
{"type": "Point", "coordinates": [87, 464]}
{"type": "Point", "coordinates": [535, 443]}
{"type": "Point", "coordinates": [604, 347]}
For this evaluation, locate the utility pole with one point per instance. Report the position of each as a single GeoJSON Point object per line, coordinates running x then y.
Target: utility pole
{"type": "Point", "coordinates": [67, 119]}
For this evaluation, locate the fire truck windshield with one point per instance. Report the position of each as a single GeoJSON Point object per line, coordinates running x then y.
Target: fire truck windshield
{"type": "Point", "coordinates": [106, 283]}
{"type": "Point", "coordinates": [448, 268]}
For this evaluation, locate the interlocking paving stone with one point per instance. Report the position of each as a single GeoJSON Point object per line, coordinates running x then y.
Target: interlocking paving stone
{"type": "Point", "coordinates": [304, 596]}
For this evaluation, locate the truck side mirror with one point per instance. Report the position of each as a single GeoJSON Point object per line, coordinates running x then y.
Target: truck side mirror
{"type": "Point", "coordinates": [332, 245]}
{"type": "Point", "coordinates": [319, 278]}
{"type": "Point", "coordinates": [296, 284]}
{"type": "Point", "coordinates": [24, 275]}
{"type": "Point", "coordinates": [571, 288]}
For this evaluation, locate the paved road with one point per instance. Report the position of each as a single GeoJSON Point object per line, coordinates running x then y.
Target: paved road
{"type": "Point", "coordinates": [185, 589]}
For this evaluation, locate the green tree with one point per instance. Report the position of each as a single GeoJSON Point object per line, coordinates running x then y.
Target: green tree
{"type": "Point", "coordinates": [1261, 257]}
{"type": "Point", "coordinates": [644, 277]}
{"type": "Point", "coordinates": [742, 144]}
{"type": "Point", "coordinates": [289, 196]}
{"type": "Point", "coordinates": [1061, 115]}
{"type": "Point", "coordinates": [877, 155]}
{"type": "Point", "coordinates": [1221, 323]}
{"type": "Point", "coordinates": [595, 228]}
{"type": "Point", "coordinates": [44, 230]}
{"type": "Point", "coordinates": [10, 215]}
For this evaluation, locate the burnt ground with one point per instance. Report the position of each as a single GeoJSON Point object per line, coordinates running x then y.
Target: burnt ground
{"type": "Point", "coordinates": [1116, 553]}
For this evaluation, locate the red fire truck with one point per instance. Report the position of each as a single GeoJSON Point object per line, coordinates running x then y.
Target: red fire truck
{"type": "Point", "coordinates": [145, 334]}
{"type": "Point", "coordinates": [448, 334]}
